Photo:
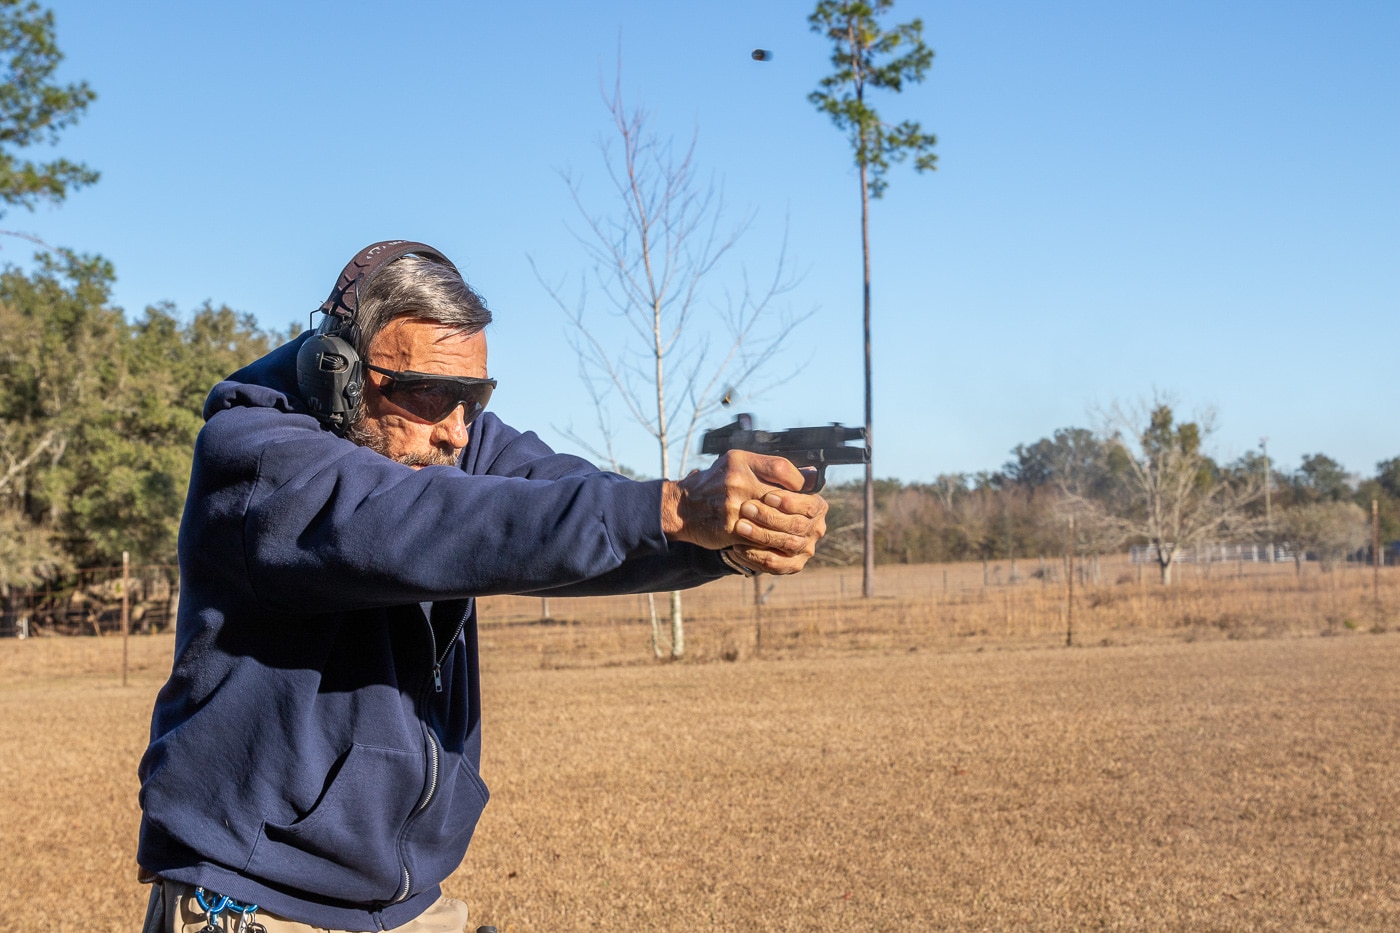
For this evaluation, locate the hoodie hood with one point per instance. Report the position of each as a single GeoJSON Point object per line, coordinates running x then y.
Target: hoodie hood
{"type": "Point", "coordinates": [270, 382]}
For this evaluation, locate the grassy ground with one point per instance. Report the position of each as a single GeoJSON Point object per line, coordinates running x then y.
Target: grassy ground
{"type": "Point", "coordinates": [935, 760]}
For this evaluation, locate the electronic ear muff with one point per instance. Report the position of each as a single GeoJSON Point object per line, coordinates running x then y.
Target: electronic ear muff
{"type": "Point", "coordinates": [330, 374]}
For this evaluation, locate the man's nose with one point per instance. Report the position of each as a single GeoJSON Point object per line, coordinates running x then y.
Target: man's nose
{"type": "Point", "coordinates": [452, 429]}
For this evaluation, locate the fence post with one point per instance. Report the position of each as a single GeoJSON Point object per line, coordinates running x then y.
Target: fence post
{"type": "Point", "coordinates": [126, 609]}
{"type": "Point", "coordinates": [758, 613]}
{"type": "Point", "coordinates": [1376, 557]}
{"type": "Point", "coordinates": [1069, 578]}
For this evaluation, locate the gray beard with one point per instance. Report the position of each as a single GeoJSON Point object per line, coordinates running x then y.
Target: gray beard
{"type": "Point", "coordinates": [360, 433]}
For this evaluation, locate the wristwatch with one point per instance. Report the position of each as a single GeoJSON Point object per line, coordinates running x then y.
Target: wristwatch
{"type": "Point", "coordinates": [727, 556]}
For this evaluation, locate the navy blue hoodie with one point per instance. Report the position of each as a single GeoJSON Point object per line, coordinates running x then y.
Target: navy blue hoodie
{"type": "Point", "coordinates": [316, 750]}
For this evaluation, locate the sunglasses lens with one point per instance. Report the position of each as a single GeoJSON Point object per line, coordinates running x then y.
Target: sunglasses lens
{"type": "Point", "coordinates": [474, 399]}
{"type": "Point", "coordinates": [433, 401]}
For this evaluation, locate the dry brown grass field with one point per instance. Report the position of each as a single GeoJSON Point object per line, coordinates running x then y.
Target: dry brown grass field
{"type": "Point", "coordinates": [1223, 754]}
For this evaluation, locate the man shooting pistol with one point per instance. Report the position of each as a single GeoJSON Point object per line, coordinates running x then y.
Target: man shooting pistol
{"type": "Point", "coordinates": [817, 447]}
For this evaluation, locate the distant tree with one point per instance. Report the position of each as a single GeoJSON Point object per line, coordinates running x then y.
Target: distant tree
{"type": "Point", "coordinates": [61, 352]}
{"type": "Point", "coordinates": [971, 529]}
{"type": "Point", "coordinates": [1032, 468]}
{"type": "Point", "coordinates": [1250, 463]}
{"type": "Point", "coordinates": [948, 519]}
{"type": "Point", "coordinates": [948, 487]}
{"type": "Point", "coordinates": [33, 108]}
{"type": "Point", "coordinates": [29, 553]}
{"type": "Point", "coordinates": [1320, 479]}
{"type": "Point", "coordinates": [1173, 495]}
{"type": "Point", "coordinates": [1384, 488]}
{"type": "Point", "coordinates": [58, 351]}
{"type": "Point", "coordinates": [1388, 476]}
{"type": "Point", "coordinates": [98, 417]}
{"type": "Point", "coordinates": [1328, 528]}
{"type": "Point", "coordinates": [1073, 461]}
{"type": "Point", "coordinates": [867, 56]}
{"type": "Point", "coordinates": [1073, 466]}
{"type": "Point", "coordinates": [841, 546]}
{"type": "Point", "coordinates": [127, 485]}
{"type": "Point", "coordinates": [907, 524]}
{"type": "Point", "coordinates": [652, 262]}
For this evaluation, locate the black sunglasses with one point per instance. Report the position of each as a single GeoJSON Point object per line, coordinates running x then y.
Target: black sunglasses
{"type": "Point", "coordinates": [433, 398]}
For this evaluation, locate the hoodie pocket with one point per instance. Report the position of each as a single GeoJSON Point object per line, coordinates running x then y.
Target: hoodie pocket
{"type": "Point", "coordinates": [345, 848]}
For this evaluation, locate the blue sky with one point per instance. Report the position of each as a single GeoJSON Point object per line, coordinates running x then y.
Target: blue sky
{"type": "Point", "coordinates": [1199, 199]}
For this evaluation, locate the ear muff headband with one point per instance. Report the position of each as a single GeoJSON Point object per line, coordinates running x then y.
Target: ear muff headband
{"type": "Point", "coordinates": [330, 374]}
{"type": "Point", "coordinates": [344, 299]}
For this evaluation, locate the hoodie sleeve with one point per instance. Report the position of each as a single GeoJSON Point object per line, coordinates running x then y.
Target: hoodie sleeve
{"type": "Point", "coordinates": [327, 525]}
{"type": "Point", "coordinates": [504, 450]}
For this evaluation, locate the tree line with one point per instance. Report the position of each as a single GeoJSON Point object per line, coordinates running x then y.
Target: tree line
{"type": "Point", "coordinates": [1141, 477]}
{"type": "Point", "coordinates": [98, 416]}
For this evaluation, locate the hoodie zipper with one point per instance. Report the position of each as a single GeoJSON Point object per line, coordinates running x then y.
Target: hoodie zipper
{"type": "Point", "coordinates": [437, 688]}
{"type": "Point", "coordinates": [451, 643]}
{"type": "Point", "coordinates": [433, 754]}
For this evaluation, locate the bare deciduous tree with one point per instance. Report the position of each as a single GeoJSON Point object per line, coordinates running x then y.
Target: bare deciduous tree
{"type": "Point", "coordinates": [1171, 493]}
{"type": "Point", "coordinates": [685, 351]}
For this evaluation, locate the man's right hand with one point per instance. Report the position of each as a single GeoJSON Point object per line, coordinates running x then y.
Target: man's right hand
{"type": "Point", "coordinates": [749, 503]}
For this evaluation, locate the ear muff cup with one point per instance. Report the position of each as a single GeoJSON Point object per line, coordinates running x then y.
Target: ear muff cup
{"type": "Point", "coordinates": [331, 378]}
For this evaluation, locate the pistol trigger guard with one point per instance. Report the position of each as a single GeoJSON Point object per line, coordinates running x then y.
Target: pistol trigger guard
{"type": "Point", "coordinates": [820, 480]}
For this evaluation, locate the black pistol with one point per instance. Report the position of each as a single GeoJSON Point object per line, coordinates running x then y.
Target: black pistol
{"type": "Point", "coordinates": [818, 447]}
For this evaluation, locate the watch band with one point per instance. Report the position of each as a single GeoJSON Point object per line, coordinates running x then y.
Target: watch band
{"type": "Point", "coordinates": [729, 561]}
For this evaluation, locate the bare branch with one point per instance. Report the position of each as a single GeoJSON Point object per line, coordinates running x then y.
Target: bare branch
{"type": "Point", "coordinates": [30, 237]}
{"type": "Point", "coordinates": [16, 468]}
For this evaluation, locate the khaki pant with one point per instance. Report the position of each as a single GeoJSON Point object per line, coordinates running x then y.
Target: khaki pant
{"type": "Point", "coordinates": [176, 904]}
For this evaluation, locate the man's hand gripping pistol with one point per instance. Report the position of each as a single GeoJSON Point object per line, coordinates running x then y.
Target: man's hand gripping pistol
{"type": "Point", "coordinates": [818, 447]}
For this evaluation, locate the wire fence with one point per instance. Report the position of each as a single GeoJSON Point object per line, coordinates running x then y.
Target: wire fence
{"type": "Point", "coordinates": [1215, 552]}
{"type": "Point", "coordinates": [90, 603]}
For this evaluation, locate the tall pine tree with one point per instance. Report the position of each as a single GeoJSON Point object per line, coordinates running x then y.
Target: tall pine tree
{"type": "Point", "coordinates": [868, 57]}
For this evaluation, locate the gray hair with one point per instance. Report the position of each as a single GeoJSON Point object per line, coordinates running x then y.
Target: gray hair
{"type": "Point", "coordinates": [420, 288]}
